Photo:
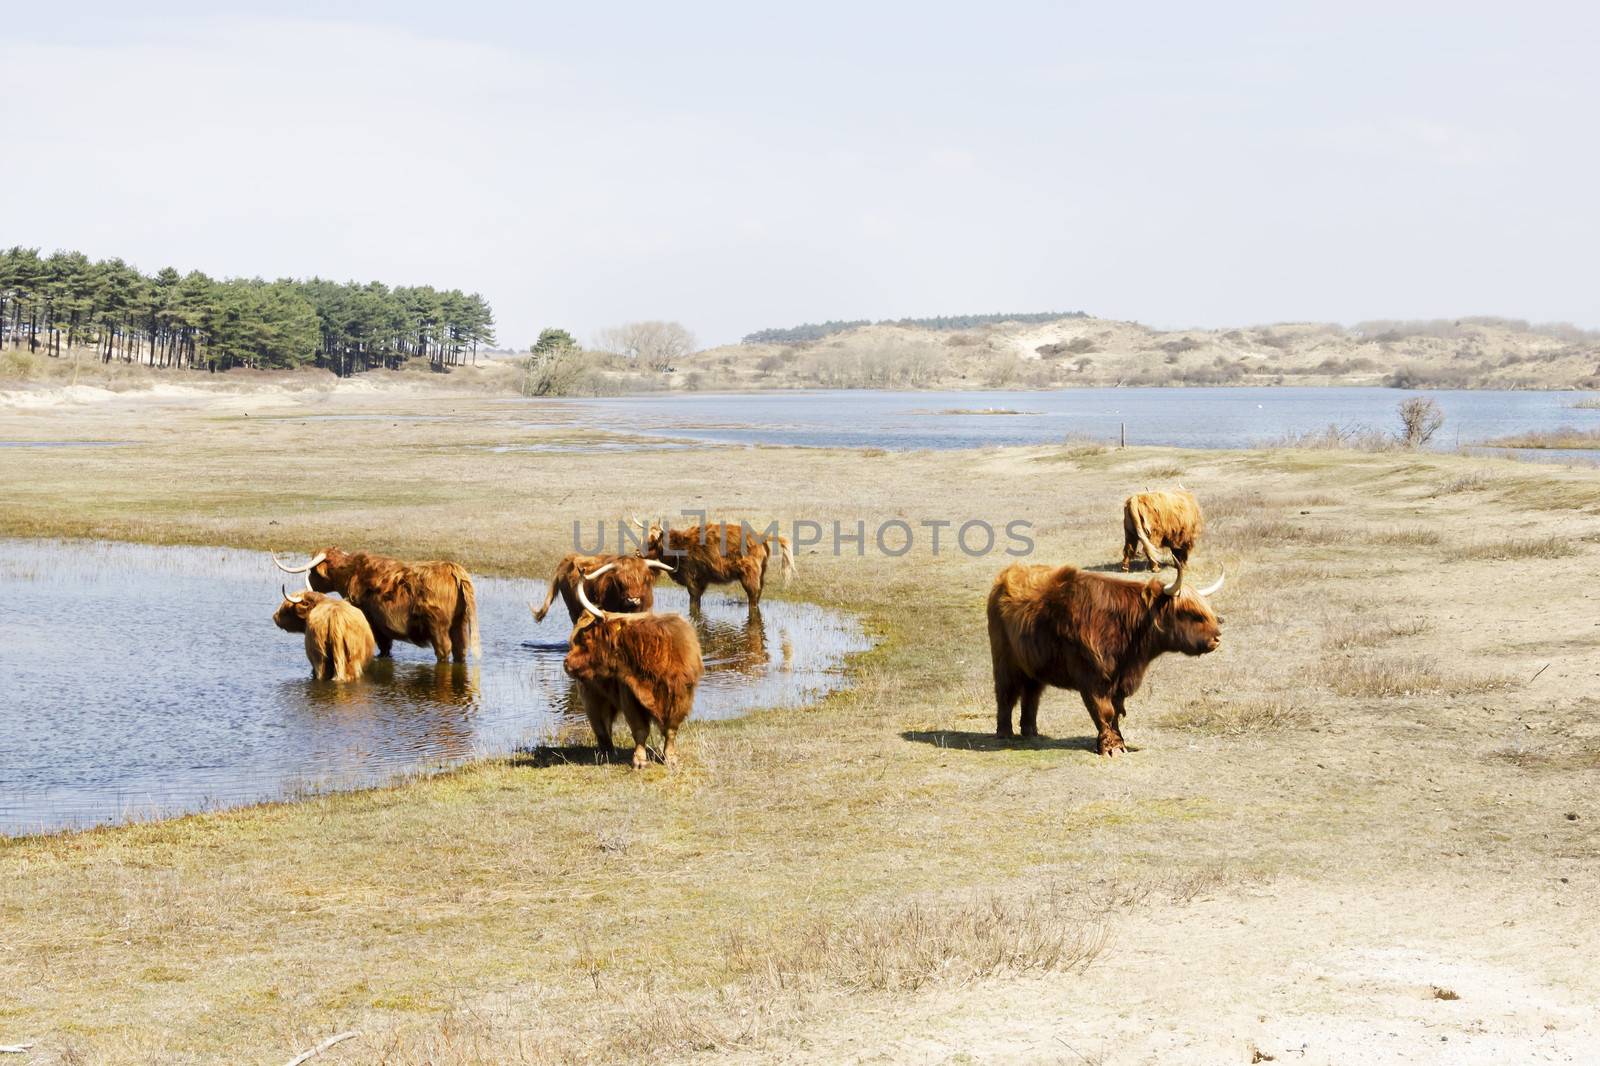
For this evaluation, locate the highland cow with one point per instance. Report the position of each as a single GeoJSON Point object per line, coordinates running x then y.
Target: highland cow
{"type": "Point", "coordinates": [339, 642]}
{"type": "Point", "coordinates": [427, 604]}
{"type": "Point", "coordinates": [1092, 633]}
{"type": "Point", "coordinates": [621, 583]}
{"type": "Point", "coordinates": [1160, 519]}
{"type": "Point", "coordinates": [716, 554]}
{"type": "Point", "coordinates": [642, 666]}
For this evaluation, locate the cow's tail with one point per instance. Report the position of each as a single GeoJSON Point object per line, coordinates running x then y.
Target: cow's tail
{"type": "Point", "coordinates": [469, 607]}
{"type": "Point", "coordinates": [549, 597]}
{"type": "Point", "coordinates": [1142, 531]}
{"type": "Point", "coordinates": [786, 557]}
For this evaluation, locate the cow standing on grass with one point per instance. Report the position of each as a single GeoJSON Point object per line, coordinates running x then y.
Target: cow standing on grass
{"type": "Point", "coordinates": [428, 604]}
{"type": "Point", "coordinates": [1152, 520]}
{"type": "Point", "coordinates": [620, 582]}
{"type": "Point", "coordinates": [716, 554]}
{"type": "Point", "coordinates": [1092, 633]}
{"type": "Point", "coordinates": [640, 665]}
{"type": "Point", "coordinates": [339, 642]}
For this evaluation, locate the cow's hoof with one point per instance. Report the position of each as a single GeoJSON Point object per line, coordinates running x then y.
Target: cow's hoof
{"type": "Point", "coordinates": [1112, 750]}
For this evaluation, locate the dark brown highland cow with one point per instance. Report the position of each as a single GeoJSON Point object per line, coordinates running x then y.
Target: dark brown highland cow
{"type": "Point", "coordinates": [620, 583]}
{"type": "Point", "coordinates": [420, 603]}
{"type": "Point", "coordinates": [716, 554]}
{"type": "Point", "coordinates": [339, 642]}
{"type": "Point", "coordinates": [643, 666]}
{"type": "Point", "coordinates": [1152, 520]}
{"type": "Point", "coordinates": [1093, 633]}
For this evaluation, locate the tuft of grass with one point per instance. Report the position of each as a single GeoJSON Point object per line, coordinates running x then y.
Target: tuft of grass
{"type": "Point", "coordinates": [1550, 547]}
{"type": "Point", "coordinates": [1398, 676]}
{"type": "Point", "coordinates": [1444, 993]}
{"type": "Point", "coordinates": [1564, 438]}
{"type": "Point", "coordinates": [1233, 717]}
{"type": "Point", "coordinates": [1166, 470]}
{"type": "Point", "coordinates": [1413, 537]}
{"type": "Point", "coordinates": [1475, 481]}
{"type": "Point", "coordinates": [917, 944]}
{"type": "Point", "coordinates": [1371, 633]}
{"type": "Point", "coordinates": [1271, 532]}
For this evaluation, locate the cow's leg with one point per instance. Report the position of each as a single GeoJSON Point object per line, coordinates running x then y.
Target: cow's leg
{"type": "Point", "coordinates": [669, 750]}
{"type": "Point", "coordinates": [439, 637]}
{"type": "Point", "coordinates": [750, 578]}
{"type": "Point", "coordinates": [458, 638]}
{"type": "Point", "coordinates": [696, 589]}
{"type": "Point", "coordinates": [602, 712]}
{"type": "Point", "coordinates": [1031, 691]}
{"type": "Point", "coordinates": [385, 642]}
{"type": "Point", "coordinates": [1130, 549]}
{"type": "Point", "coordinates": [639, 725]}
{"type": "Point", "coordinates": [1007, 690]}
{"type": "Point", "coordinates": [1116, 706]}
{"type": "Point", "coordinates": [1104, 715]}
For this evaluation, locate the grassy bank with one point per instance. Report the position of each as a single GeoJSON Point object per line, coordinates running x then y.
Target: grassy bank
{"type": "Point", "coordinates": [806, 868]}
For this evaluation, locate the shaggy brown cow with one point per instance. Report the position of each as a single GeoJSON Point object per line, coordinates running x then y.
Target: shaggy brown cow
{"type": "Point", "coordinates": [716, 554]}
{"type": "Point", "coordinates": [339, 642]}
{"type": "Point", "coordinates": [1160, 519]}
{"type": "Point", "coordinates": [620, 582]}
{"type": "Point", "coordinates": [643, 666]}
{"type": "Point", "coordinates": [1093, 633]}
{"type": "Point", "coordinates": [420, 603]}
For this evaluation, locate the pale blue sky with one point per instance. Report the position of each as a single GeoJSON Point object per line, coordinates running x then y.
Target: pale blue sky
{"type": "Point", "coordinates": [735, 167]}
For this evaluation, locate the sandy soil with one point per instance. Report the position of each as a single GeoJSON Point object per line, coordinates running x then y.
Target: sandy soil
{"type": "Point", "coordinates": [1365, 830]}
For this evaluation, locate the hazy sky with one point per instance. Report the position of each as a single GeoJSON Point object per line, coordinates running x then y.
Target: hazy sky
{"type": "Point", "coordinates": [734, 166]}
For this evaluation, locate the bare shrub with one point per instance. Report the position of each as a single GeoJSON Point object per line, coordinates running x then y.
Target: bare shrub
{"type": "Point", "coordinates": [1476, 481]}
{"type": "Point", "coordinates": [1231, 717]}
{"type": "Point", "coordinates": [1404, 538]}
{"type": "Point", "coordinates": [1372, 633]}
{"type": "Point", "coordinates": [657, 345]}
{"type": "Point", "coordinates": [1354, 437]}
{"type": "Point", "coordinates": [1398, 676]}
{"type": "Point", "coordinates": [1420, 418]}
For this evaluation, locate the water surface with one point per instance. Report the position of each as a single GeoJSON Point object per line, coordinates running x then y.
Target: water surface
{"type": "Point", "coordinates": [143, 681]}
{"type": "Point", "coordinates": [1188, 418]}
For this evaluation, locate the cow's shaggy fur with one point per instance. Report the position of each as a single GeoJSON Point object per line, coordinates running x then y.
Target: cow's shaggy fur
{"type": "Point", "coordinates": [717, 554]}
{"type": "Point", "coordinates": [1152, 520]}
{"type": "Point", "coordinates": [1092, 633]}
{"type": "Point", "coordinates": [339, 642]}
{"type": "Point", "coordinates": [429, 604]}
{"type": "Point", "coordinates": [645, 669]}
{"type": "Point", "coordinates": [629, 587]}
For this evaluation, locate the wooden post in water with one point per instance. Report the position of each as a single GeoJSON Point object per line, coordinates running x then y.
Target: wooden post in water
{"type": "Point", "coordinates": [1124, 437]}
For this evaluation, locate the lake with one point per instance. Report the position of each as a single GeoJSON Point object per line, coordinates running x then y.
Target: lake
{"type": "Point", "coordinates": [146, 682]}
{"type": "Point", "coordinates": [1186, 418]}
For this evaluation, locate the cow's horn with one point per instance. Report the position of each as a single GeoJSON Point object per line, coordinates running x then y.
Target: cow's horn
{"type": "Point", "coordinates": [1215, 585]}
{"type": "Point", "coordinates": [1177, 584]}
{"type": "Point", "coordinates": [606, 569]}
{"type": "Point", "coordinates": [656, 564]}
{"type": "Point", "coordinates": [291, 599]}
{"type": "Point", "coordinates": [315, 559]}
{"type": "Point", "coordinates": [639, 523]}
{"type": "Point", "coordinates": [607, 616]}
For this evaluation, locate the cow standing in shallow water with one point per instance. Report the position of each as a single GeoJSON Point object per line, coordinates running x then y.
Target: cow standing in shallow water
{"type": "Point", "coordinates": [620, 582]}
{"type": "Point", "coordinates": [339, 642]}
{"type": "Point", "coordinates": [429, 604]}
{"type": "Point", "coordinates": [642, 666]}
{"type": "Point", "coordinates": [716, 554]}
{"type": "Point", "coordinates": [1092, 633]}
{"type": "Point", "coordinates": [1152, 520]}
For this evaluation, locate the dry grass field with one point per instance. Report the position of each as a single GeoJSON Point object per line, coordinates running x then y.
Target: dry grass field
{"type": "Point", "coordinates": [1365, 829]}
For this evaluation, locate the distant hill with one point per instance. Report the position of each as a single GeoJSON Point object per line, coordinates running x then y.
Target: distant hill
{"type": "Point", "coordinates": [1054, 350]}
{"type": "Point", "coordinates": [813, 331]}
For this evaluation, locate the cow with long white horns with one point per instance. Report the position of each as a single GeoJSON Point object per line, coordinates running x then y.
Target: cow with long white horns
{"type": "Point", "coordinates": [1093, 633]}
{"type": "Point", "coordinates": [339, 642]}
{"type": "Point", "coordinates": [643, 666]}
{"type": "Point", "coordinates": [1154, 520]}
{"type": "Point", "coordinates": [428, 604]}
{"type": "Point", "coordinates": [620, 582]}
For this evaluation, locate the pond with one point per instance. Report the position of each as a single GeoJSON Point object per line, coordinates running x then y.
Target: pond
{"type": "Point", "coordinates": [1187, 418]}
{"type": "Point", "coordinates": [145, 682]}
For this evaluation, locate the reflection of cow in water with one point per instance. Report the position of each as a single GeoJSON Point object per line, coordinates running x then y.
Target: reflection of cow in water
{"type": "Point", "coordinates": [618, 582]}
{"type": "Point", "coordinates": [642, 666]}
{"type": "Point", "coordinates": [420, 603]}
{"type": "Point", "coordinates": [739, 646]}
{"type": "Point", "coordinates": [339, 642]}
